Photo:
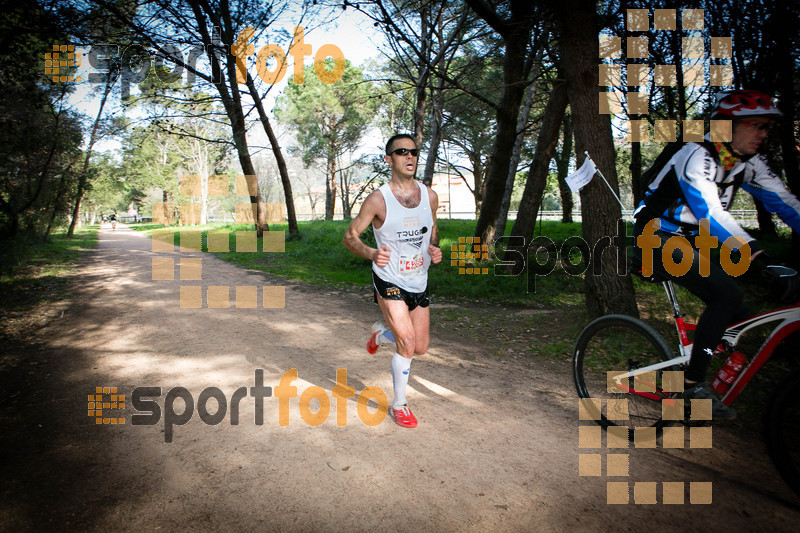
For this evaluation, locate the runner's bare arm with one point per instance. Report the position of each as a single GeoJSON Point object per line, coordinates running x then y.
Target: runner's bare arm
{"type": "Point", "coordinates": [373, 208]}
{"type": "Point", "coordinates": [433, 249]}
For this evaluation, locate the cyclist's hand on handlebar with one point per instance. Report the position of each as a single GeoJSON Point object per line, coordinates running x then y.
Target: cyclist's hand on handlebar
{"type": "Point", "coordinates": [782, 279]}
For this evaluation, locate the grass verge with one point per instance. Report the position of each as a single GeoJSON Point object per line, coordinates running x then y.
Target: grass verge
{"type": "Point", "coordinates": [318, 257]}
{"type": "Point", "coordinates": [35, 274]}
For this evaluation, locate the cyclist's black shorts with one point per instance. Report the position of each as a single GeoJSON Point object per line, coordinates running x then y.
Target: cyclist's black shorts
{"type": "Point", "coordinates": [390, 291]}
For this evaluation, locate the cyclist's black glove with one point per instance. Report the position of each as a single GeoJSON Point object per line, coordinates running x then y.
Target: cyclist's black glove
{"type": "Point", "coordinates": [784, 281]}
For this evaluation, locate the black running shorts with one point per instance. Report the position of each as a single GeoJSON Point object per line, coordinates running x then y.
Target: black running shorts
{"type": "Point", "coordinates": [390, 291]}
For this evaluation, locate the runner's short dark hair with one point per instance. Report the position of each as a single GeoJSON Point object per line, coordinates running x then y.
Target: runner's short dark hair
{"type": "Point", "coordinates": [393, 138]}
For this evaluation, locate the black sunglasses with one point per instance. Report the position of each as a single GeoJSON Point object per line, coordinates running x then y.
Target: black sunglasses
{"type": "Point", "coordinates": [405, 151]}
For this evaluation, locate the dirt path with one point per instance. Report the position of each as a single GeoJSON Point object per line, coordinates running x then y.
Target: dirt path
{"type": "Point", "coordinates": [496, 448]}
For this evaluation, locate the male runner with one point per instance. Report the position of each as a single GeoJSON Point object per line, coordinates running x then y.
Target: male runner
{"type": "Point", "coordinates": [403, 217]}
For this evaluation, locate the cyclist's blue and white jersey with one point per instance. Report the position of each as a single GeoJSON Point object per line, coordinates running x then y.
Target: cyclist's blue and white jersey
{"type": "Point", "coordinates": [693, 185]}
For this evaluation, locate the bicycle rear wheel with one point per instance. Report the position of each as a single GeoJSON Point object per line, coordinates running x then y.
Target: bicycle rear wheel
{"type": "Point", "coordinates": [783, 430]}
{"type": "Point", "coordinates": [621, 343]}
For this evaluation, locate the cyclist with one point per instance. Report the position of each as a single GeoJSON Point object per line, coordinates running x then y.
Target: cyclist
{"type": "Point", "coordinates": [696, 185]}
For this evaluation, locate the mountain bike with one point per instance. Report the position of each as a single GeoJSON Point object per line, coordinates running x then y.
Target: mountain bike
{"type": "Point", "coordinates": [620, 357]}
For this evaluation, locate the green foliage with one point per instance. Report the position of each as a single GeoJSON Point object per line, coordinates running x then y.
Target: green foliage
{"type": "Point", "coordinates": [320, 258]}
{"type": "Point", "coordinates": [395, 111]}
{"type": "Point", "coordinates": [330, 119]}
{"type": "Point", "coordinates": [187, 134]}
{"type": "Point", "coordinates": [150, 160]}
{"type": "Point", "coordinates": [25, 258]}
{"type": "Point", "coordinates": [39, 137]}
{"type": "Point", "coordinates": [469, 123]}
{"type": "Point", "coordinates": [109, 189]}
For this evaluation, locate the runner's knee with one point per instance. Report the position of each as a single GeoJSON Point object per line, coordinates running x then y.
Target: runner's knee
{"type": "Point", "coordinates": [405, 344]}
{"type": "Point", "coordinates": [421, 346]}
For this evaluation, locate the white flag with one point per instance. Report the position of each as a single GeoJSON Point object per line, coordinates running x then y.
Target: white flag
{"type": "Point", "coordinates": [582, 176]}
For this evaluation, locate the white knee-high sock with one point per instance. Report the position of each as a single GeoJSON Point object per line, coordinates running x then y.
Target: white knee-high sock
{"type": "Point", "coordinates": [400, 369]}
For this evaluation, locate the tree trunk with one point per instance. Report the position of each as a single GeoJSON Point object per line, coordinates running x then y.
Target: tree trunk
{"type": "Point", "coordinates": [347, 208]}
{"type": "Point", "coordinates": [288, 196]}
{"type": "Point", "coordinates": [477, 179]}
{"type": "Point", "coordinates": [83, 178]}
{"type": "Point", "coordinates": [62, 189]}
{"type": "Point", "coordinates": [236, 116]}
{"type": "Point", "coordinates": [507, 113]}
{"type": "Point", "coordinates": [562, 164]}
{"type": "Point", "coordinates": [436, 134]}
{"type": "Point", "coordinates": [225, 78]}
{"type": "Point", "coordinates": [438, 104]}
{"type": "Point", "coordinates": [677, 43]}
{"type": "Point", "coordinates": [522, 121]}
{"type": "Point", "coordinates": [421, 87]}
{"type": "Point", "coordinates": [607, 291]}
{"type": "Point", "coordinates": [537, 175]}
{"type": "Point", "coordinates": [167, 218]}
{"type": "Point", "coordinates": [240, 142]}
{"type": "Point", "coordinates": [204, 198]}
{"type": "Point", "coordinates": [478, 175]}
{"type": "Point", "coordinates": [330, 188]}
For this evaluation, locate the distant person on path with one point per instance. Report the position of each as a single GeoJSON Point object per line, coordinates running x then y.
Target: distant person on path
{"type": "Point", "coordinates": [113, 219]}
{"type": "Point", "coordinates": [403, 217]}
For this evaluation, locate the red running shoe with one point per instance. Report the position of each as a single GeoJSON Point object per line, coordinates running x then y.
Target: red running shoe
{"type": "Point", "coordinates": [403, 417]}
{"type": "Point", "coordinates": [377, 329]}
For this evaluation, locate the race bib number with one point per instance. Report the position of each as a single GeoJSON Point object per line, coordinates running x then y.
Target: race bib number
{"type": "Point", "coordinates": [411, 264]}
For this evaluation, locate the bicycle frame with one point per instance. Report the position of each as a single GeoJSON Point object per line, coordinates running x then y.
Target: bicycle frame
{"type": "Point", "coordinates": [789, 318]}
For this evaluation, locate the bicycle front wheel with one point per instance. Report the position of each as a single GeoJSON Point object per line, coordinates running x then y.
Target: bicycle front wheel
{"type": "Point", "coordinates": [620, 344]}
{"type": "Point", "coordinates": [783, 430]}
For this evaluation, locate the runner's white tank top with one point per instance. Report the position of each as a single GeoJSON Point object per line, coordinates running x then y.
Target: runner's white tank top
{"type": "Point", "coordinates": [407, 233]}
